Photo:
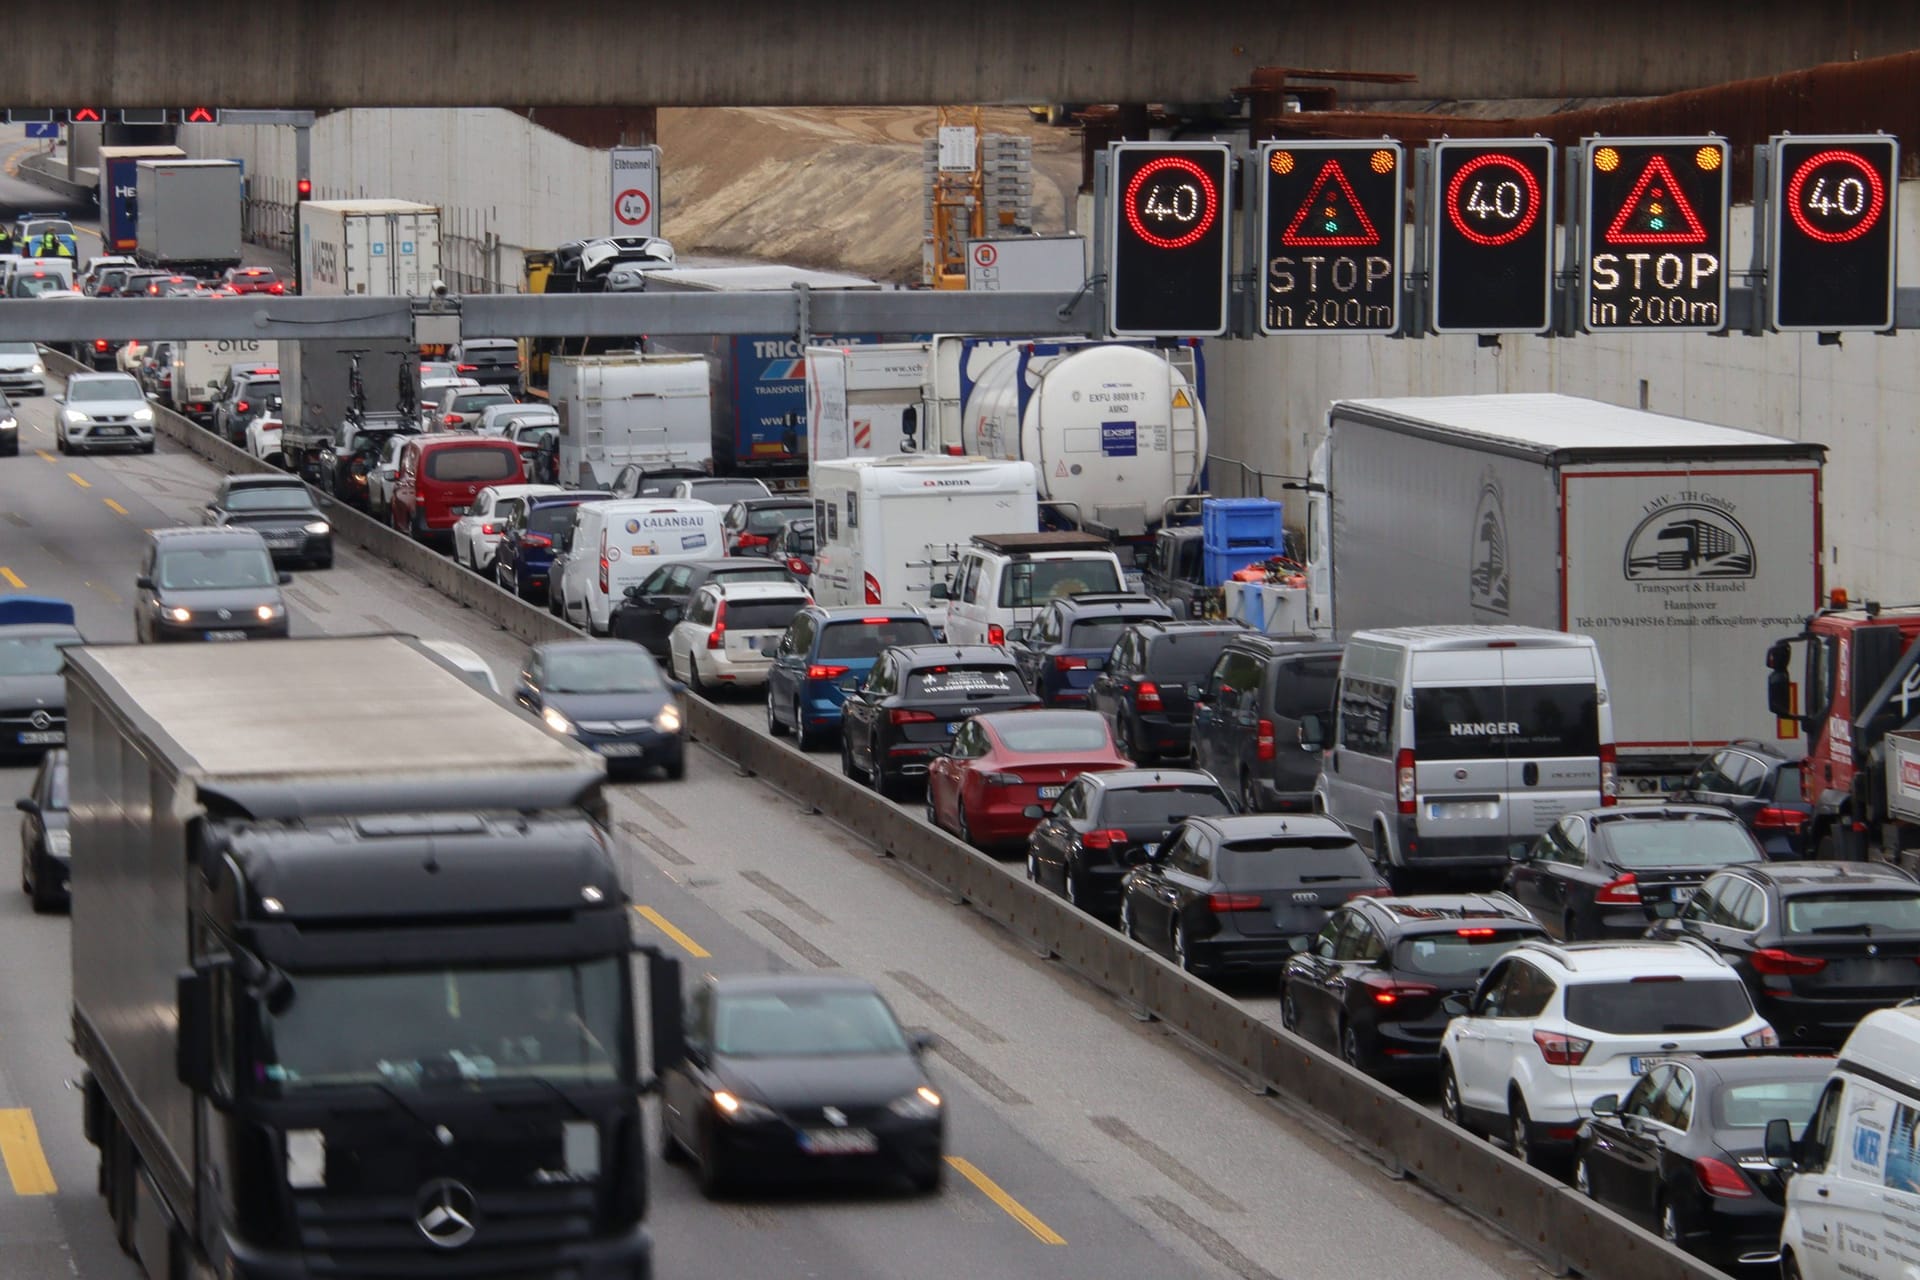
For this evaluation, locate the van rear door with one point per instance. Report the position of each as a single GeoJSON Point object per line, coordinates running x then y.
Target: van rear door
{"type": "Point", "coordinates": [1553, 737]}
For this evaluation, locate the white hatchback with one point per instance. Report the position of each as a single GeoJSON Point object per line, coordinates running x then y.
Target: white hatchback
{"type": "Point", "coordinates": [730, 631]}
{"type": "Point", "coordinates": [1552, 1027]}
{"type": "Point", "coordinates": [476, 535]}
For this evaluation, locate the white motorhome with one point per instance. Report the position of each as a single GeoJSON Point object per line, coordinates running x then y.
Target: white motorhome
{"type": "Point", "coordinates": [887, 530]}
{"type": "Point", "coordinates": [863, 400]}
{"type": "Point", "coordinates": [651, 411]}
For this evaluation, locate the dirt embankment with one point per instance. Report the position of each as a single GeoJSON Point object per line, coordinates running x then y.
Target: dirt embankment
{"type": "Point", "coordinates": [827, 187]}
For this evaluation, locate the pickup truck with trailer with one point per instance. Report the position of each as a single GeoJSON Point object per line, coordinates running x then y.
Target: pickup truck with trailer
{"type": "Point", "coordinates": [352, 971]}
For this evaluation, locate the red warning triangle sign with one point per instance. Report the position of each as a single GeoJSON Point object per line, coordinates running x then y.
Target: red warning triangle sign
{"type": "Point", "coordinates": [1332, 217]}
{"type": "Point", "coordinates": [1657, 212]}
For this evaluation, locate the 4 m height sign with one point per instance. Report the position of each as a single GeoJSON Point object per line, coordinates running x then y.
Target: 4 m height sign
{"type": "Point", "coordinates": [1655, 229]}
{"type": "Point", "coordinates": [636, 191]}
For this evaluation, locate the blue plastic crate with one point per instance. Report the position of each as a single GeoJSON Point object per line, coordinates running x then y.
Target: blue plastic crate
{"type": "Point", "coordinates": [1221, 565]}
{"type": "Point", "coordinates": [1230, 524]}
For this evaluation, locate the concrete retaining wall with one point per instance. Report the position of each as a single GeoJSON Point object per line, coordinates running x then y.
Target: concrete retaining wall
{"type": "Point", "coordinates": [1544, 1216]}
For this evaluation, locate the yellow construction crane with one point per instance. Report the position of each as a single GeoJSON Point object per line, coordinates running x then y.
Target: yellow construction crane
{"type": "Point", "coordinates": [958, 197]}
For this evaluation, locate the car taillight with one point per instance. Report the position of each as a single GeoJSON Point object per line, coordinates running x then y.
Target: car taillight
{"type": "Point", "coordinates": [536, 540]}
{"type": "Point", "coordinates": [1233, 902]}
{"type": "Point", "coordinates": [1066, 662]}
{"type": "Point", "coordinates": [754, 540]}
{"type": "Point", "coordinates": [1403, 780]}
{"type": "Point", "coordinates": [487, 530]}
{"type": "Point", "coordinates": [465, 368]}
{"type": "Point", "coordinates": [1718, 1178]}
{"type": "Point", "coordinates": [1621, 891]}
{"type": "Point", "coordinates": [873, 589]}
{"type": "Point", "coordinates": [241, 407]}
{"type": "Point", "coordinates": [1107, 838]}
{"type": "Point", "coordinates": [1386, 992]}
{"type": "Point", "coordinates": [1263, 740]}
{"type": "Point", "coordinates": [824, 671]}
{"type": "Point", "coordinates": [1561, 1051]}
{"type": "Point", "coordinates": [1775, 819]}
{"type": "Point", "coordinates": [99, 344]}
{"type": "Point", "coordinates": [1779, 962]}
{"type": "Point", "coordinates": [1146, 697]}
{"type": "Point", "coordinates": [796, 565]}
{"type": "Point", "coordinates": [996, 634]}
{"type": "Point", "coordinates": [276, 288]}
{"type": "Point", "coordinates": [1765, 1038]}
{"type": "Point", "coordinates": [717, 638]}
{"type": "Point", "coordinates": [901, 716]}
{"type": "Point", "coordinates": [1609, 776]}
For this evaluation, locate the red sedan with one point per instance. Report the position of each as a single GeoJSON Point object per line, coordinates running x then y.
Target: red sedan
{"type": "Point", "coordinates": [1004, 770]}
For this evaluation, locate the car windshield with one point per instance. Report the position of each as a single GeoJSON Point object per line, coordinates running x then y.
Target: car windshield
{"type": "Point", "coordinates": [446, 1029]}
{"type": "Point", "coordinates": [804, 1024]}
{"type": "Point", "coordinates": [474, 462]}
{"type": "Point", "coordinates": [1284, 860]}
{"type": "Point", "coordinates": [1459, 953]}
{"type": "Point", "coordinates": [18, 349]}
{"type": "Point", "coordinates": [32, 655]}
{"type": "Point", "coordinates": [1085, 731]}
{"type": "Point", "coordinates": [84, 389]}
{"type": "Point", "coordinates": [34, 286]}
{"type": "Point", "coordinates": [215, 568]}
{"type": "Point", "coordinates": [263, 389]}
{"type": "Point", "coordinates": [269, 498]}
{"type": "Point", "coordinates": [611, 670]}
{"type": "Point", "coordinates": [551, 520]}
{"type": "Point", "coordinates": [724, 491]}
{"type": "Point", "coordinates": [537, 433]}
{"type": "Point", "coordinates": [764, 572]}
{"type": "Point", "coordinates": [768, 520]}
{"type": "Point", "coordinates": [1097, 633]}
{"type": "Point", "coordinates": [1656, 1004]}
{"type": "Point", "coordinates": [1186, 657]}
{"type": "Point", "coordinates": [473, 402]}
{"type": "Point", "coordinates": [1890, 911]}
{"type": "Point", "coordinates": [1162, 806]}
{"type": "Point", "coordinates": [1687, 842]}
{"type": "Point", "coordinates": [965, 682]}
{"type": "Point", "coordinates": [1034, 582]}
{"type": "Point", "coordinates": [867, 637]}
{"type": "Point", "coordinates": [1751, 1106]}
{"type": "Point", "coordinates": [530, 417]}
{"type": "Point", "coordinates": [763, 615]}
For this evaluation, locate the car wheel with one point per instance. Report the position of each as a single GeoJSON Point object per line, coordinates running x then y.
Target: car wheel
{"type": "Point", "coordinates": [1520, 1131]}
{"type": "Point", "coordinates": [1182, 954]}
{"type": "Point", "coordinates": [1382, 859]}
{"type": "Point", "coordinates": [676, 768]}
{"type": "Point", "coordinates": [803, 737]}
{"type": "Point", "coordinates": [1249, 794]}
{"type": "Point", "coordinates": [1350, 1048]}
{"type": "Point", "coordinates": [1669, 1222]}
{"type": "Point", "coordinates": [1450, 1109]}
{"type": "Point", "coordinates": [928, 1180]}
{"type": "Point", "coordinates": [1126, 920]}
{"type": "Point", "coordinates": [774, 727]}
{"type": "Point", "coordinates": [1071, 885]}
{"type": "Point", "coordinates": [1569, 927]}
{"type": "Point", "coordinates": [713, 1177]}
{"type": "Point", "coordinates": [960, 822]}
{"type": "Point", "coordinates": [670, 1149]}
{"type": "Point", "coordinates": [1289, 1009]}
{"type": "Point", "coordinates": [147, 447]}
{"type": "Point", "coordinates": [846, 759]}
{"type": "Point", "coordinates": [43, 901]}
{"type": "Point", "coordinates": [26, 870]}
{"type": "Point", "coordinates": [1789, 1267]}
{"type": "Point", "coordinates": [1583, 1178]}
{"type": "Point", "coordinates": [1033, 868]}
{"type": "Point", "coordinates": [417, 527]}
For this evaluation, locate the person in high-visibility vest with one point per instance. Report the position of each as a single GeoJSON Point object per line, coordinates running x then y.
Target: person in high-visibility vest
{"type": "Point", "coordinates": [51, 247]}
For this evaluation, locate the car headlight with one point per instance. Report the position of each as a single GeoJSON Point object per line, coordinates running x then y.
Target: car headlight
{"type": "Point", "coordinates": [143, 414]}
{"type": "Point", "coordinates": [59, 842]}
{"type": "Point", "coordinates": [922, 1104]}
{"type": "Point", "coordinates": [740, 1110]}
{"type": "Point", "coordinates": [668, 721]}
{"type": "Point", "coordinates": [39, 367]}
{"type": "Point", "coordinates": [74, 416]}
{"type": "Point", "coordinates": [176, 614]}
{"type": "Point", "coordinates": [555, 721]}
{"type": "Point", "coordinates": [268, 612]}
{"type": "Point", "coordinates": [9, 424]}
{"type": "Point", "coordinates": [319, 526]}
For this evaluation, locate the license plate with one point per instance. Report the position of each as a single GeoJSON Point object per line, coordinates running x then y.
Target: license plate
{"type": "Point", "coordinates": [618, 748]}
{"type": "Point", "coordinates": [1639, 1066]}
{"type": "Point", "coordinates": [953, 726]}
{"type": "Point", "coordinates": [1683, 893]}
{"type": "Point", "coordinates": [838, 1142]}
{"type": "Point", "coordinates": [1149, 849]}
{"type": "Point", "coordinates": [110, 431]}
{"type": "Point", "coordinates": [1051, 793]}
{"type": "Point", "coordinates": [42, 738]}
{"type": "Point", "coordinates": [226, 635]}
{"type": "Point", "coordinates": [459, 511]}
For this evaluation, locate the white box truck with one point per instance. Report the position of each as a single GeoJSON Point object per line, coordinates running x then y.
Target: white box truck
{"type": "Point", "coordinates": [379, 248]}
{"type": "Point", "coordinates": [863, 401]}
{"type": "Point", "coordinates": [187, 215]}
{"type": "Point", "coordinates": [200, 366]}
{"type": "Point", "coordinates": [887, 529]}
{"type": "Point", "coordinates": [651, 411]}
{"type": "Point", "coordinates": [1683, 548]}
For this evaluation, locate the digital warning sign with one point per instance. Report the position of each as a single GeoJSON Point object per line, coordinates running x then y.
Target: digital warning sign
{"type": "Point", "coordinates": [1656, 234]}
{"type": "Point", "coordinates": [1832, 213]}
{"type": "Point", "coordinates": [1330, 235]}
{"type": "Point", "coordinates": [1492, 236]}
{"type": "Point", "coordinates": [1170, 226]}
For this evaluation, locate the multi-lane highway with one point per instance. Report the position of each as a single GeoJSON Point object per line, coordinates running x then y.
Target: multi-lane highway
{"type": "Point", "coordinates": [1084, 1143]}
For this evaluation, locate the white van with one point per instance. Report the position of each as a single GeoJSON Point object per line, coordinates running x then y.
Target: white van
{"type": "Point", "coordinates": [615, 544]}
{"type": "Point", "coordinates": [1853, 1200]}
{"type": "Point", "coordinates": [889, 531]}
{"type": "Point", "coordinates": [1453, 746]}
{"type": "Point", "coordinates": [1005, 579]}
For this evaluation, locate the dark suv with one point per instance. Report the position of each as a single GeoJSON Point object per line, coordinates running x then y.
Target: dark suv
{"type": "Point", "coordinates": [1147, 687]}
{"type": "Point", "coordinates": [208, 584]}
{"type": "Point", "coordinates": [1246, 721]}
{"type": "Point", "coordinates": [1066, 647]}
{"type": "Point", "coordinates": [250, 392]}
{"type": "Point", "coordinates": [524, 558]}
{"type": "Point", "coordinates": [491, 362]}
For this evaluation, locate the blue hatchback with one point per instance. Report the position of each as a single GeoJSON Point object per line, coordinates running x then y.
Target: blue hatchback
{"type": "Point", "coordinates": [525, 554]}
{"type": "Point", "coordinates": [824, 654]}
{"type": "Point", "coordinates": [1064, 650]}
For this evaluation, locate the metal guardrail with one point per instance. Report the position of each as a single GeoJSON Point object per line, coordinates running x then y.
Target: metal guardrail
{"type": "Point", "coordinates": [1550, 1220]}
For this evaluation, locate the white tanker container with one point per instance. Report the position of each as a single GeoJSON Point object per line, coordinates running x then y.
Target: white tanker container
{"type": "Point", "coordinates": [1113, 430]}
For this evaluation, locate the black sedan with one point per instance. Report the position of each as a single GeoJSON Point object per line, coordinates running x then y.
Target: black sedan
{"type": "Point", "coordinates": [33, 693]}
{"type": "Point", "coordinates": [799, 1077]}
{"type": "Point", "coordinates": [1762, 788]}
{"type": "Point", "coordinates": [611, 696]}
{"type": "Point", "coordinates": [1610, 873]}
{"type": "Point", "coordinates": [914, 701]}
{"type": "Point", "coordinates": [44, 849]}
{"type": "Point", "coordinates": [1105, 823]}
{"type": "Point", "coordinates": [1243, 894]}
{"type": "Point", "coordinates": [1819, 944]}
{"type": "Point", "coordinates": [296, 531]}
{"type": "Point", "coordinates": [653, 606]}
{"type": "Point", "coordinates": [1372, 985]}
{"type": "Point", "coordinates": [1682, 1152]}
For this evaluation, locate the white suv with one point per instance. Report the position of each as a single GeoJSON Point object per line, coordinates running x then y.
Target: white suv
{"type": "Point", "coordinates": [730, 632]}
{"type": "Point", "coordinates": [1554, 1026]}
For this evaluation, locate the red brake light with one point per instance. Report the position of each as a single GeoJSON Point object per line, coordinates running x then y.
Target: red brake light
{"type": "Point", "coordinates": [241, 407]}
{"type": "Point", "coordinates": [717, 638]}
{"type": "Point", "coordinates": [1066, 662]}
{"type": "Point", "coordinates": [487, 529]}
{"type": "Point", "coordinates": [99, 344]}
{"type": "Point", "coordinates": [1474, 933]}
{"type": "Point", "coordinates": [276, 287]}
{"type": "Point", "coordinates": [1386, 992]}
{"type": "Point", "coordinates": [1561, 1051]}
{"type": "Point", "coordinates": [1146, 697]}
{"type": "Point", "coordinates": [266, 373]}
{"type": "Point", "coordinates": [1403, 780]}
{"type": "Point", "coordinates": [873, 590]}
{"type": "Point", "coordinates": [875, 622]}
{"type": "Point", "coordinates": [1776, 961]}
{"type": "Point", "coordinates": [797, 565]}
{"type": "Point", "coordinates": [1263, 740]}
{"type": "Point", "coordinates": [901, 716]}
{"type": "Point", "coordinates": [1718, 1178]}
{"type": "Point", "coordinates": [1109, 838]}
{"type": "Point", "coordinates": [825, 671]}
{"type": "Point", "coordinates": [536, 539]}
{"type": "Point", "coordinates": [465, 368]}
{"type": "Point", "coordinates": [1773, 819]}
{"type": "Point", "coordinates": [1233, 902]}
{"type": "Point", "coordinates": [1621, 891]}
{"type": "Point", "coordinates": [996, 634]}
{"type": "Point", "coordinates": [455, 417]}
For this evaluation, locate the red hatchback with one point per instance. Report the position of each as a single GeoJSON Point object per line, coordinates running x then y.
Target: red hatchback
{"type": "Point", "coordinates": [439, 476]}
{"type": "Point", "coordinates": [254, 280]}
{"type": "Point", "coordinates": [1004, 770]}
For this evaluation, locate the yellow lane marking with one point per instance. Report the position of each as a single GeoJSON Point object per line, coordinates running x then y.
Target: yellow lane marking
{"type": "Point", "coordinates": [667, 927]}
{"type": "Point", "coordinates": [20, 1147]}
{"type": "Point", "coordinates": [13, 579]}
{"type": "Point", "coordinates": [44, 455]}
{"type": "Point", "coordinates": [116, 506]}
{"type": "Point", "coordinates": [1013, 1208]}
{"type": "Point", "coordinates": [76, 478]}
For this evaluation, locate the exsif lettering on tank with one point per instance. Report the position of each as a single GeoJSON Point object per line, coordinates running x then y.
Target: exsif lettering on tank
{"type": "Point", "coordinates": [1119, 439]}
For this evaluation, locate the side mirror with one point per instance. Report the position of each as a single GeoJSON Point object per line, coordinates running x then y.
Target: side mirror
{"type": "Point", "coordinates": [921, 1041]}
{"type": "Point", "coordinates": [939, 591]}
{"type": "Point", "coordinates": [1520, 853]}
{"type": "Point", "coordinates": [1779, 1144]}
{"type": "Point", "coordinates": [1313, 733]}
{"type": "Point", "coordinates": [286, 579]}
{"type": "Point", "coordinates": [1018, 635]}
{"type": "Point", "coordinates": [1456, 1006]}
{"type": "Point", "coordinates": [1780, 695]}
{"type": "Point", "coordinates": [193, 1038]}
{"type": "Point", "coordinates": [1607, 1104]}
{"type": "Point", "coordinates": [27, 804]}
{"type": "Point", "coordinates": [143, 582]}
{"type": "Point", "coordinates": [665, 1010]}
{"type": "Point", "coordinates": [1300, 943]}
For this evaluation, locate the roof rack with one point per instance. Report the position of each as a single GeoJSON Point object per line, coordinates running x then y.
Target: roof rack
{"type": "Point", "coordinates": [1017, 544]}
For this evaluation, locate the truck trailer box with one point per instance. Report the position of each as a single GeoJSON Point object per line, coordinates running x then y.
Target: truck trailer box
{"type": "Point", "coordinates": [316, 382]}
{"type": "Point", "coordinates": [119, 193]}
{"type": "Point", "coordinates": [200, 365]}
{"type": "Point", "coordinates": [379, 248]}
{"type": "Point", "coordinates": [654, 411]}
{"type": "Point", "coordinates": [1682, 547]}
{"type": "Point", "coordinates": [188, 215]}
{"type": "Point", "coordinates": [864, 401]}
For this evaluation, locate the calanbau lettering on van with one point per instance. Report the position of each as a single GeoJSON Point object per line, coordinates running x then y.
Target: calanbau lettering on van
{"type": "Point", "coordinates": [666, 522]}
{"type": "Point", "coordinates": [1498, 728]}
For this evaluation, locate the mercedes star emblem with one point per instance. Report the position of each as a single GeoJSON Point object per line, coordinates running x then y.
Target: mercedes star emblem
{"type": "Point", "coordinates": [226, 614]}
{"type": "Point", "coordinates": [447, 1213]}
{"type": "Point", "coordinates": [835, 1117]}
{"type": "Point", "coordinates": [39, 719]}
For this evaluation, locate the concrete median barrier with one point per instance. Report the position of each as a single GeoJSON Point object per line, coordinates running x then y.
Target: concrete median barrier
{"type": "Point", "coordinates": [1541, 1214]}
